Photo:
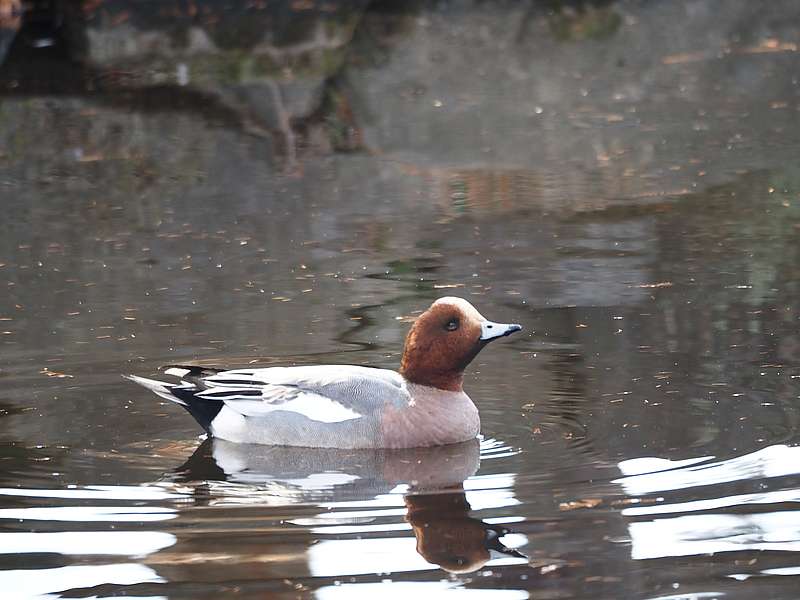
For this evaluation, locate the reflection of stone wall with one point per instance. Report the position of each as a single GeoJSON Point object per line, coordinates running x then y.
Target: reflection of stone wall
{"type": "Point", "coordinates": [670, 97]}
{"type": "Point", "coordinates": [268, 62]}
{"type": "Point", "coordinates": [512, 105]}
{"type": "Point", "coordinates": [227, 41]}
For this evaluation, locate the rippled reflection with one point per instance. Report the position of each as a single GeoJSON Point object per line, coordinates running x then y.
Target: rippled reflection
{"type": "Point", "coordinates": [709, 534]}
{"type": "Point", "coordinates": [426, 589]}
{"type": "Point", "coordinates": [46, 583]}
{"type": "Point", "coordinates": [286, 513]}
{"type": "Point", "coordinates": [773, 461]}
{"type": "Point", "coordinates": [747, 523]}
{"type": "Point", "coordinates": [125, 543]}
{"type": "Point", "coordinates": [368, 492]}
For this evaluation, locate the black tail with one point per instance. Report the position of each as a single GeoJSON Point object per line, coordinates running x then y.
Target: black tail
{"type": "Point", "coordinates": [202, 409]}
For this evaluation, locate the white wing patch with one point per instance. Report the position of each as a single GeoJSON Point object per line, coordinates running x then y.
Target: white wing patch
{"type": "Point", "coordinates": [177, 372]}
{"type": "Point", "coordinates": [261, 391]}
{"type": "Point", "coordinates": [260, 400]}
{"type": "Point", "coordinates": [313, 406]}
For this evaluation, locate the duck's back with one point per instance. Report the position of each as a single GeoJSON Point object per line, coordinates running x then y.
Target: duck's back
{"type": "Point", "coordinates": [339, 406]}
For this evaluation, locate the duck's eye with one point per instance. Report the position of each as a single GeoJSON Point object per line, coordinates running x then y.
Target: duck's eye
{"type": "Point", "coordinates": [451, 325]}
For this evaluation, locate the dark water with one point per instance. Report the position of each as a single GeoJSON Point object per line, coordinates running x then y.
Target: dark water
{"type": "Point", "coordinates": [292, 184]}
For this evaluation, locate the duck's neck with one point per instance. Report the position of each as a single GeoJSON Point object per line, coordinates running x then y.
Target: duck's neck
{"type": "Point", "coordinates": [451, 381]}
{"type": "Point", "coordinates": [429, 364]}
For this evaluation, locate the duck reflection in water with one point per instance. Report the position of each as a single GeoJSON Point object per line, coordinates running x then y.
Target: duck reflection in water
{"type": "Point", "coordinates": [447, 536]}
{"type": "Point", "coordinates": [434, 497]}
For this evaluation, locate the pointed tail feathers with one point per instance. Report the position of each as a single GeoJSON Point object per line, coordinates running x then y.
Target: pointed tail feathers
{"type": "Point", "coordinates": [158, 387]}
{"type": "Point", "coordinates": [204, 410]}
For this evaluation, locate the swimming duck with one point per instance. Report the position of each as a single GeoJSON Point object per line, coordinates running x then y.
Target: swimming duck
{"type": "Point", "coordinates": [348, 406]}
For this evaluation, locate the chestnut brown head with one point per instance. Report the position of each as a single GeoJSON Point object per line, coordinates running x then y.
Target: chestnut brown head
{"type": "Point", "coordinates": [444, 340]}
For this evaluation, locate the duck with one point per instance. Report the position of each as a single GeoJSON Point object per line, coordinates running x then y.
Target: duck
{"type": "Point", "coordinates": [422, 404]}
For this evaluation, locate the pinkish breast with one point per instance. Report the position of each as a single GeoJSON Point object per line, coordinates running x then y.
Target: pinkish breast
{"type": "Point", "coordinates": [434, 417]}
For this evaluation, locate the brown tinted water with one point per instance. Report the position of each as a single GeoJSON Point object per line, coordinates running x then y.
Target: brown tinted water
{"type": "Point", "coordinates": [618, 178]}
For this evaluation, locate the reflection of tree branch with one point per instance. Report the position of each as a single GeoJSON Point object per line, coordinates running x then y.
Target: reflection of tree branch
{"type": "Point", "coordinates": [362, 319]}
{"type": "Point", "coordinates": [284, 127]}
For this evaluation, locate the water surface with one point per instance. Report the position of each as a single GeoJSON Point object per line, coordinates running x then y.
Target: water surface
{"type": "Point", "coordinates": [293, 187]}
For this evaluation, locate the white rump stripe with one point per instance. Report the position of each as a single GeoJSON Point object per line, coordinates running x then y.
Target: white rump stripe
{"type": "Point", "coordinates": [177, 372]}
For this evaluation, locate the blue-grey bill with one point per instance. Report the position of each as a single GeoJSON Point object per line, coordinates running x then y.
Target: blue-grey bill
{"type": "Point", "coordinates": [490, 330]}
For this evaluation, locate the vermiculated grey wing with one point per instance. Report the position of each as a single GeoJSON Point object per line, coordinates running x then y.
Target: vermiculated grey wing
{"type": "Point", "coordinates": [328, 393]}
